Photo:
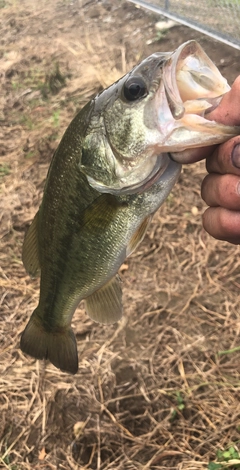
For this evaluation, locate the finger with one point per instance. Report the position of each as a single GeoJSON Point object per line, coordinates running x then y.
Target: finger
{"type": "Point", "coordinates": [228, 111]}
{"type": "Point", "coordinates": [225, 158]}
{"type": "Point", "coordinates": [222, 224]}
{"type": "Point", "coordinates": [193, 155]}
{"type": "Point", "coordinates": [221, 190]}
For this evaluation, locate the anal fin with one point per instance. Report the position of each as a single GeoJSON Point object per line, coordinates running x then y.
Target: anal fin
{"type": "Point", "coordinates": [105, 304]}
{"type": "Point", "coordinates": [30, 253]}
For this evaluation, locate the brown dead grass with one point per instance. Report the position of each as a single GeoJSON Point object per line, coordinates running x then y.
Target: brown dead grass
{"type": "Point", "coordinates": [154, 391]}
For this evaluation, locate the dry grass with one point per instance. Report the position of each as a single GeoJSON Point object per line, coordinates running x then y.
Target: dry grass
{"type": "Point", "coordinates": [161, 389]}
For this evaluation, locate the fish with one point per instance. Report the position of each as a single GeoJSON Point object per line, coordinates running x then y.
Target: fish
{"type": "Point", "coordinates": [111, 172]}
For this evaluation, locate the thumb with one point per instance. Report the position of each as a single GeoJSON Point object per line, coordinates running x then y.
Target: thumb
{"type": "Point", "coordinates": [228, 111]}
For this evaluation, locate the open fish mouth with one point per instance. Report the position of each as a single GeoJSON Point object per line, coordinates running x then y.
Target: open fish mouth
{"type": "Point", "coordinates": [192, 82]}
{"type": "Point", "coordinates": [192, 86]}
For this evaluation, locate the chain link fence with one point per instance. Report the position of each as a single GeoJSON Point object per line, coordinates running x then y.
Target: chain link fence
{"type": "Point", "coordinates": [219, 19]}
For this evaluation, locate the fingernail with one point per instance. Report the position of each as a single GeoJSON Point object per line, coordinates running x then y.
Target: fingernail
{"type": "Point", "coordinates": [238, 189]}
{"type": "Point", "coordinates": [236, 156]}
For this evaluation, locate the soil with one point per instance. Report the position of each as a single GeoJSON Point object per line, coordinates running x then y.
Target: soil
{"type": "Point", "coordinates": [160, 389]}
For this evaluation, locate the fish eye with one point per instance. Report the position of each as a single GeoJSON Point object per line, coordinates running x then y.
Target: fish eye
{"type": "Point", "coordinates": [134, 88]}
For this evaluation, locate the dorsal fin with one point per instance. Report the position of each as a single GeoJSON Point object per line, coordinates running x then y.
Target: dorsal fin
{"type": "Point", "coordinates": [138, 235]}
{"type": "Point", "coordinates": [30, 253]}
{"type": "Point", "coordinates": [105, 304]}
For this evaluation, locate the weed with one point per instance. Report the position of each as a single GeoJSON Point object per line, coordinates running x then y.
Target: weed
{"type": "Point", "coordinates": [29, 154]}
{"type": "Point", "coordinates": [227, 459]}
{"type": "Point", "coordinates": [229, 351]}
{"type": "Point", "coordinates": [179, 406]}
{"type": "Point", "coordinates": [215, 466]}
{"type": "Point", "coordinates": [170, 200]}
{"type": "Point", "coordinates": [6, 461]}
{"type": "Point", "coordinates": [4, 169]}
{"type": "Point", "coordinates": [160, 35]}
{"type": "Point", "coordinates": [15, 85]}
{"type": "Point", "coordinates": [55, 118]}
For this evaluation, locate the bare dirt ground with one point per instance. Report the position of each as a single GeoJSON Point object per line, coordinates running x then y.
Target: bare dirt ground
{"type": "Point", "coordinates": [161, 389]}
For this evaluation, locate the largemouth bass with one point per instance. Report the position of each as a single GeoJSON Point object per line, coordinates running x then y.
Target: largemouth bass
{"type": "Point", "coordinates": [110, 173]}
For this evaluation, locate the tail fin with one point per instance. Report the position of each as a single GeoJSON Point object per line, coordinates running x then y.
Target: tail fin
{"type": "Point", "coordinates": [60, 347]}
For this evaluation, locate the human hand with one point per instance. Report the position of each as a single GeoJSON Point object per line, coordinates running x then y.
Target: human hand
{"type": "Point", "coordinates": [221, 187]}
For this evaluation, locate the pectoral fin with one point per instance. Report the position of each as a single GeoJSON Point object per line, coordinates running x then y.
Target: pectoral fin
{"type": "Point", "coordinates": [138, 235]}
{"type": "Point", "coordinates": [30, 254]}
{"type": "Point", "coordinates": [105, 305]}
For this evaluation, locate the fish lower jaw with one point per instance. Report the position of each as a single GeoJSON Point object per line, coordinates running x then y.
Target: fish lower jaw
{"type": "Point", "coordinates": [155, 175]}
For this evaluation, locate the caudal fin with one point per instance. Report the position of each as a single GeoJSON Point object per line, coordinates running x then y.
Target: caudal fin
{"type": "Point", "coordinates": [60, 347]}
